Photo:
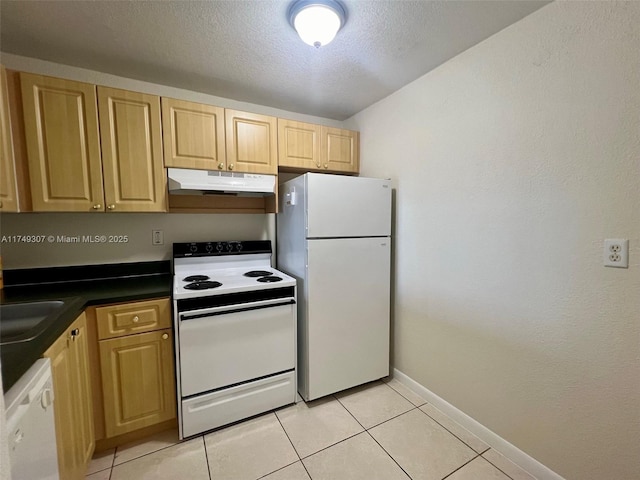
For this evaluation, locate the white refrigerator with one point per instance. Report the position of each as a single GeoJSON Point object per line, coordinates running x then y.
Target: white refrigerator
{"type": "Point", "coordinates": [334, 237]}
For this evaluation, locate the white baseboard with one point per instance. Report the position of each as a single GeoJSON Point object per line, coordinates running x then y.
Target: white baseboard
{"type": "Point", "coordinates": [513, 453]}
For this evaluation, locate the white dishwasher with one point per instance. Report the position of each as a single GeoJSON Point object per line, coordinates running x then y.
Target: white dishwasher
{"type": "Point", "coordinates": [31, 425]}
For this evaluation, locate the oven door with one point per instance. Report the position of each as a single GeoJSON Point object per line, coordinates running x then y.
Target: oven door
{"type": "Point", "coordinates": [223, 346]}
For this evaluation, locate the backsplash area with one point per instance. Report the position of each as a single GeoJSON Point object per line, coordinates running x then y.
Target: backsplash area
{"type": "Point", "coordinates": [53, 239]}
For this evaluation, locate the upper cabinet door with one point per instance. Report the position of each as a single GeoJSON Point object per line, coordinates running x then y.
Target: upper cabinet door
{"type": "Point", "coordinates": [193, 135]}
{"type": "Point", "coordinates": [251, 142]}
{"type": "Point", "coordinates": [8, 188]}
{"type": "Point", "coordinates": [340, 150]}
{"type": "Point", "coordinates": [298, 145]}
{"type": "Point", "coordinates": [61, 130]}
{"type": "Point", "coordinates": [131, 134]}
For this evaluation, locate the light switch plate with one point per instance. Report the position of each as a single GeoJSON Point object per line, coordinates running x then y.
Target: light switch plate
{"type": "Point", "coordinates": [616, 252]}
{"type": "Point", "coordinates": [157, 237]}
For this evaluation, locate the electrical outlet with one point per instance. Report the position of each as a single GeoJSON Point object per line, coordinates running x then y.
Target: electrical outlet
{"type": "Point", "coordinates": [616, 252]}
{"type": "Point", "coordinates": [157, 237]}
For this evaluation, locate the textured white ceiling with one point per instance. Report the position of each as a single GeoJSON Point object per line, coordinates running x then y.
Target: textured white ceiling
{"type": "Point", "coordinates": [246, 50]}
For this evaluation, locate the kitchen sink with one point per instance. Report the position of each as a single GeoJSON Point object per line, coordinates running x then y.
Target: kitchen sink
{"type": "Point", "coordinates": [21, 322]}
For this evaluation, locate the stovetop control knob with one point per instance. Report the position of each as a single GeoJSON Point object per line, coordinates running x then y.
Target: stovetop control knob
{"type": "Point", "coordinates": [193, 248]}
{"type": "Point", "coordinates": [209, 248]}
{"type": "Point", "coordinates": [239, 246]}
{"type": "Point", "coordinates": [229, 246]}
{"type": "Point", "coordinates": [219, 247]}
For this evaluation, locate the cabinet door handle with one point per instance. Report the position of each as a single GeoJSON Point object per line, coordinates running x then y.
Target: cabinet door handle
{"type": "Point", "coordinates": [220, 166]}
{"type": "Point", "coordinates": [231, 166]}
{"type": "Point", "coordinates": [97, 206]}
{"type": "Point", "coordinates": [136, 319]}
{"type": "Point", "coordinates": [326, 165]}
{"type": "Point", "coordinates": [111, 207]}
{"type": "Point", "coordinates": [318, 165]}
{"type": "Point", "coordinates": [165, 336]}
{"type": "Point", "coordinates": [74, 334]}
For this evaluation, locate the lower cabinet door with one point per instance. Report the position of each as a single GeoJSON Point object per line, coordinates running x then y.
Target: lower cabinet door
{"type": "Point", "coordinates": [72, 405]}
{"type": "Point", "coordinates": [65, 416]}
{"type": "Point", "coordinates": [79, 353]}
{"type": "Point", "coordinates": [138, 381]}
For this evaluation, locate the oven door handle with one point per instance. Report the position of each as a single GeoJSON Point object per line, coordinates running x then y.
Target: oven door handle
{"type": "Point", "coordinates": [194, 316]}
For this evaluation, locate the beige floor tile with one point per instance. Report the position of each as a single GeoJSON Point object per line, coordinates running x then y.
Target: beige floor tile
{"type": "Point", "coordinates": [101, 461]}
{"type": "Point", "coordinates": [292, 472]}
{"type": "Point", "coordinates": [459, 431]}
{"type": "Point", "coordinates": [424, 449]}
{"type": "Point", "coordinates": [403, 390]}
{"type": "Point", "coordinates": [101, 475]}
{"type": "Point", "coordinates": [317, 425]}
{"type": "Point", "coordinates": [374, 403]}
{"type": "Point", "coordinates": [478, 469]}
{"type": "Point", "coordinates": [249, 450]}
{"type": "Point", "coordinates": [357, 458]}
{"type": "Point", "coordinates": [507, 466]}
{"type": "Point", "coordinates": [185, 460]}
{"type": "Point", "coordinates": [145, 446]}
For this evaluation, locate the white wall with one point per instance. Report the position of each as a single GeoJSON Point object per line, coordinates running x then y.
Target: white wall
{"type": "Point", "coordinates": [136, 227]}
{"type": "Point", "coordinates": [42, 67]}
{"type": "Point", "coordinates": [177, 227]}
{"type": "Point", "coordinates": [512, 162]}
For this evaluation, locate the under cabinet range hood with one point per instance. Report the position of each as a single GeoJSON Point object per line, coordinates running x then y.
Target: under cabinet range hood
{"type": "Point", "coordinates": [191, 181]}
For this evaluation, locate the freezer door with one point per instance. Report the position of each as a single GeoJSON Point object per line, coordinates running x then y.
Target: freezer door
{"type": "Point", "coordinates": [347, 314]}
{"type": "Point", "coordinates": [341, 206]}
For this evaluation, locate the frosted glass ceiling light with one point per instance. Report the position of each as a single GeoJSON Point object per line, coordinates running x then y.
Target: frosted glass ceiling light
{"type": "Point", "coordinates": [317, 21]}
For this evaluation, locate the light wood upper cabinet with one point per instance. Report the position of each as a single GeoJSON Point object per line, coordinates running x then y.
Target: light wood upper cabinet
{"type": "Point", "coordinates": [298, 145]}
{"type": "Point", "coordinates": [72, 406]}
{"type": "Point", "coordinates": [340, 150]}
{"type": "Point", "coordinates": [212, 138]}
{"type": "Point", "coordinates": [252, 142]}
{"type": "Point", "coordinates": [137, 381]}
{"type": "Point", "coordinates": [63, 145]}
{"type": "Point", "coordinates": [131, 133]}
{"type": "Point", "coordinates": [67, 167]}
{"type": "Point", "coordinates": [310, 147]}
{"type": "Point", "coordinates": [8, 184]}
{"type": "Point", "coordinates": [193, 135]}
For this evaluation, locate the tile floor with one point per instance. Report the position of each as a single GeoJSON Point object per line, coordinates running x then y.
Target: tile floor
{"type": "Point", "coordinates": [381, 430]}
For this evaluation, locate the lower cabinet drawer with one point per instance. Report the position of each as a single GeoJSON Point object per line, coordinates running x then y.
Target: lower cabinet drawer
{"type": "Point", "coordinates": [219, 408]}
{"type": "Point", "coordinates": [130, 318]}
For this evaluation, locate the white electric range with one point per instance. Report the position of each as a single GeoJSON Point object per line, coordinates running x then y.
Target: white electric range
{"type": "Point", "coordinates": [235, 333]}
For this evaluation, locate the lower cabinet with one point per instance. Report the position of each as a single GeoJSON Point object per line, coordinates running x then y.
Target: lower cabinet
{"type": "Point", "coordinates": [113, 380]}
{"type": "Point", "coordinates": [72, 405]}
{"type": "Point", "coordinates": [137, 381]}
{"type": "Point", "coordinates": [136, 366]}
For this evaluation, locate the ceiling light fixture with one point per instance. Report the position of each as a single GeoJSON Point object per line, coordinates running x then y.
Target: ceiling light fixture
{"type": "Point", "coordinates": [317, 21]}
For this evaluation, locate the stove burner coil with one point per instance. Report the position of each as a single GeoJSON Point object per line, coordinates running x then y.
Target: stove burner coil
{"type": "Point", "coordinates": [270, 279]}
{"type": "Point", "coordinates": [202, 285]}
{"type": "Point", "coordinates": [257, 273]}
{"type": "Point", "coordinates": [195, 278]}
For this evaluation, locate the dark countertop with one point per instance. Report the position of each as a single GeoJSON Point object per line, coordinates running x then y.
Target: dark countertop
{"type": "Point", "coordinates": [81, 287]}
